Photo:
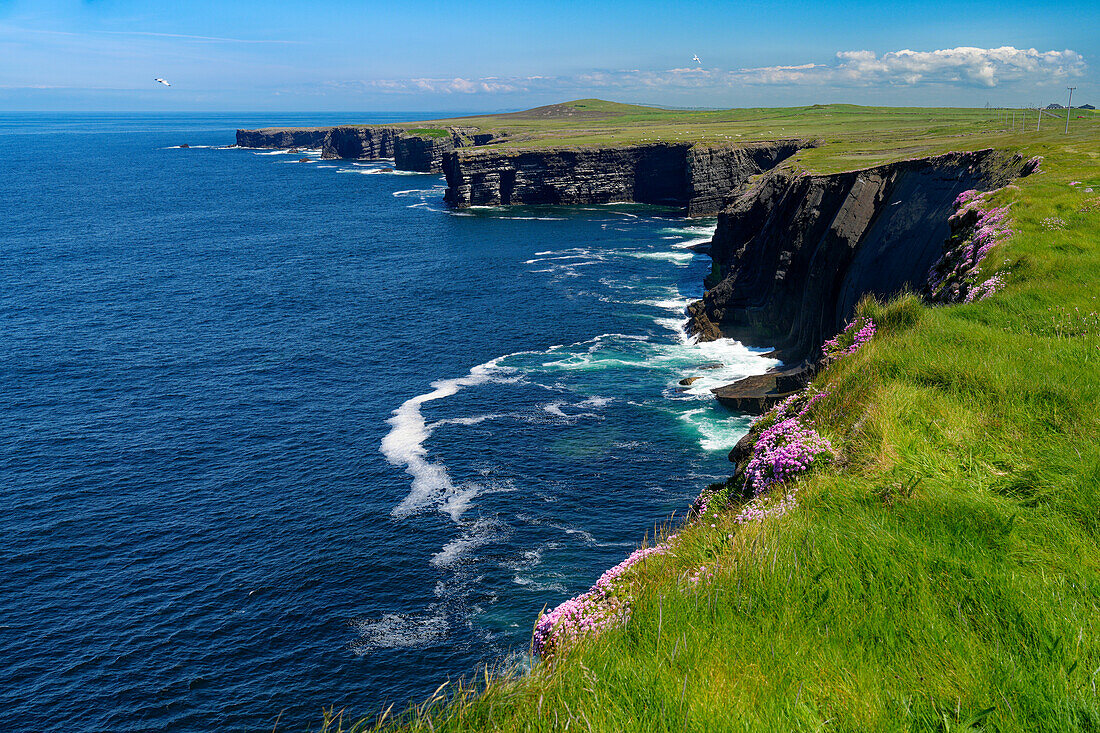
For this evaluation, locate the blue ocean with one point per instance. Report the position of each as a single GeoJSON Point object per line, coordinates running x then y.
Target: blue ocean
{"type": "Point", "coordinates": [280, 436]}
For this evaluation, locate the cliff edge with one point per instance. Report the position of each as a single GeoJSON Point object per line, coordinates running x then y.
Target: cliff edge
{"type": "Point", "coordinates": [795, 252]}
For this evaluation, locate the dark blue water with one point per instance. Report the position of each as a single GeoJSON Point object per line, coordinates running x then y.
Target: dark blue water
{"type": "Point", "coordinates": [278, 436]}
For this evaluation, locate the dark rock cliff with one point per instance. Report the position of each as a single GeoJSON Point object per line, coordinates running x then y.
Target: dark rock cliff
{"type": "Point", "coordinates": [410, 151]}
{"type": "Point", "coordinates": [697, 178]}
{"type": "Point", "coordinates": [424, 154]}
{"type": "Point", "coordinates": [361, 143]}
{"type": "Point", "coordinates": [313, 137]}
{"type": "Point", "coordinates": [796, 252]}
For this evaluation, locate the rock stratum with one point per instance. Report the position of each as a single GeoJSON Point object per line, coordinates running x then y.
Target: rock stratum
{"type": "Point", "coordinates": [698, 178]}
{"type": "Point", "coordinates": [795, 252]}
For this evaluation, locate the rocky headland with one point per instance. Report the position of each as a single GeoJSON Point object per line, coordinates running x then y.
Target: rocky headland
{"type": "Point", "coordinates": [793, 252]}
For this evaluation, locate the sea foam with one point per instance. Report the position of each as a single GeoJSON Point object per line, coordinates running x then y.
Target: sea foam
{"type": "Point", "coordinates": [404, 444]}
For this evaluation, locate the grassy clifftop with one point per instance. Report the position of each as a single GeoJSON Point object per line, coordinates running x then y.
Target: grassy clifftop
{"type": "Point", "coordinates": [943, 573]}
{"type": "Point", "coordinates": [851, 135]}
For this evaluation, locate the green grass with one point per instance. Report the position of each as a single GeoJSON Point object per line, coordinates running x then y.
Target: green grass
{"type": "Point", "coordinates": [433, 132]}
{"type": "Point", "coordinates": [943, 574]}
{"type": "Point", "coordinates": [851, 136]}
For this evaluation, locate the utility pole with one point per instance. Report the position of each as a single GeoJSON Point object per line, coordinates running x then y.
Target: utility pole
{"type": "Point", "coordinates": [1069, 107]}
{"type": "Point", "coordinates": [1039, 109]}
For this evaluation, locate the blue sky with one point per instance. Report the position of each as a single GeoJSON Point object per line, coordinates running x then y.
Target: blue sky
{"type": "Point", "coordinates": [102, 55]}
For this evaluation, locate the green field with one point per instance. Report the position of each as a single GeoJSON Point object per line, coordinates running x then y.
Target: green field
{"type": "Point", "coordinates": [944, 572]}
{"type": "Point", "coordinates": [849, 135]}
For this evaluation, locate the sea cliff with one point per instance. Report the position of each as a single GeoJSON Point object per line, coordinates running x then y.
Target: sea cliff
{"type": "Point", "coordinates": [420, 150]}
{"type": "Point", "coordinates": [795, 252]}
{"type": "Point", "coordinates": [696, 177]}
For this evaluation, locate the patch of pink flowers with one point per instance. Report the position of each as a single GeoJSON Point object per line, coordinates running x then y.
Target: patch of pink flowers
{"type": "Point", "coordinates": [766, 506]}
{"type": "Point", "coordinates": [954, 278]}
{"type": "Point", "coordinates": [701, 573]}
{"type": "Point", "coordinates": [595, 610]}
{"type": "Point", "coordinates": [784, 450]}
{"type": "Point", "coordinates": [983, 290]}
{"type": "Point", "coordinates": [855, 334]}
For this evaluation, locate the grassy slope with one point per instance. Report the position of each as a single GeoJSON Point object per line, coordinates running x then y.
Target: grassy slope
{"type": "Point", "coordinates": [944, 574]}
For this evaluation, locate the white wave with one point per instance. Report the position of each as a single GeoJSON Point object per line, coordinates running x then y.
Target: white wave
{"type": "Point", "coordinates": [692, 243]}
{"type": "Point", "coordinates": [399, 631]}
{"type": "Point", "coordinates": [404, 444]}
{"type": "Point", "coordinates": [417, 191]}
{"type": "Point", "coordinates": [478, 534]}
{"type": "Point", "coordinates": [717, 431]}
{"type": "Point", "coordinates": [673, 304]}
{"type": "Point", "coordinates": [554, 408]}
{"type": "Point", "coordinates": [705, 226]}
{"type": "Point", "coordinates": [717, 363]}
{"type": "Point", "coordinates": [596, 402]}
{"type": "Point", "coordinates": [677, 257]}
{"type": "Point", "coordinates": [464, 420]}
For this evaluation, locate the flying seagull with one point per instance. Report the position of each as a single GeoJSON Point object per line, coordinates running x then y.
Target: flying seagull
{"type": "Point", "coordinates": [162, 81]}
{"type": "Point", "coordinates": [695, 58]}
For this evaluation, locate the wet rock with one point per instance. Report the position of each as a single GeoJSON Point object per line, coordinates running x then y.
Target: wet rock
{"type": "Point", "coordinates": [754, 395]}
{"type": "Point", "coordinates": [688, 381]}
{"type": "Point", "coordinates": [743, 449]}
{"type": "Point", "coordinates": [794, 378]}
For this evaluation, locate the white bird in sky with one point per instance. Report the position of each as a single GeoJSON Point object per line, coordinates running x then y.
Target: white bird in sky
{"type": "Point", "coordinates": [162, 81]}
{"type": "Point", "coordinates": [695, 58]}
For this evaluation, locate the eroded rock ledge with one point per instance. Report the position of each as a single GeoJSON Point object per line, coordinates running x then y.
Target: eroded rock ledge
{"type": "Point", "coordinates": [795, 252]}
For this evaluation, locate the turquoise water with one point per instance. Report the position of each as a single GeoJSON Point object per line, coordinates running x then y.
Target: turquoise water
{"type": "Point", "coordinates": [279, 436]}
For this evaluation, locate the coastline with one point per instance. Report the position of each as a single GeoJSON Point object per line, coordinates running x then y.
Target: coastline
{"type": "Point", "coordinates": [861, 457]}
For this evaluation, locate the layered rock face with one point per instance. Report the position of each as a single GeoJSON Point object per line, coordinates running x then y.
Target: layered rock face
{"type": "Point", "coordinates": [313, 137]}
{"type": "Point", "coordinates": [796, 252]}
{"type": "Point", "coordinates": [363, 143]}
{"type": "Point", "coordinates": [410, 152]}
{"type": "Point", "coordinates": [715, 173]}
{"type": "Point", "coordinates": [424, 154]}
{"type": "Point", "coordinates": [696, 178]}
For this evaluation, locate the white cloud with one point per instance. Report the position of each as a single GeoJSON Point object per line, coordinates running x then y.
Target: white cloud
{"type": "Point", "coordinates": [957, 67]}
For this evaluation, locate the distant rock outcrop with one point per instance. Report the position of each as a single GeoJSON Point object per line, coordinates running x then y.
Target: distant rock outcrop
{"type": "Point", "coordinates": [421, 151]}
{"type": "Point", "coordinates": [283, 138]}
